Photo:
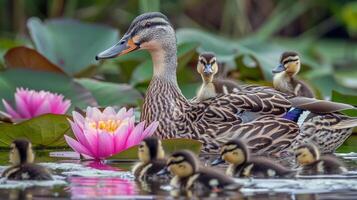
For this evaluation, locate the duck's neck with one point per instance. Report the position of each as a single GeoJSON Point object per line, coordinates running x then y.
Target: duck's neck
{"type": "Point", "coordinates": [163, 93]}
{"type": "Point", "coordinates": [206, 79]}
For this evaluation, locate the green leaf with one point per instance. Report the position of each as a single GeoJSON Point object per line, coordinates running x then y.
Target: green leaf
{"type": "Point", "coordinates": [43, 131]}
{"type": "Point", "coordinates": [70, 44]}
{"type": "Point", "coordinates": [169, 145]}
{"type": "Point", "coordinates": [109, 94]}
{"type": "Point", "coordinates": [40, 80]}
{"type": "Point", "coordinates": [225, 49]}
{"type": "Point", "coordinates": [350, 145]}
{"type": "Point", "coordinates": [348, 99]}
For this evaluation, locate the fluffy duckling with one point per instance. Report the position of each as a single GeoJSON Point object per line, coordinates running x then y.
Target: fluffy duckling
{"type": "Point", "coordinates": [236, 153]}
{"type": "Point", "coordinates": [308, 157]}
{"type": "Point", "coordinates": [152, 159]}
{"type": "Point", "coordinates": [285, 76]}
{"type": "Point", "coordinates": [207, 66]}
{"type": "Point", "coordinates": [188, 174]}
{"type": "Point", "coordinates": [23, 167]}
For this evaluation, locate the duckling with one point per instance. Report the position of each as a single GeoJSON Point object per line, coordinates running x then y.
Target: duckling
{"type": "Point", "coordinates": [207, 66]}
{"type": "Point", "coordinates": [285, 76]}
{"type": "Point", "coordinates": [308, 157]}
{"type": "Point", "coordinates": [152, 159]}
{"type": "Point", "coordinates": [188, 174]}
{"type": "Point", "coordinates": [23, 166]}
{"type": "Point", "coordinates": [236, 153]}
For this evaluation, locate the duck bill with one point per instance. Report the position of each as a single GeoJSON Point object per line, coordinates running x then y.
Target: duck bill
{"type": "Point", "coordinates": [208, 69]}
{"type": "Point", "coordinates": [164, 171]}
{"type": "Point", "coordinates": [124, 46]}
{"type": "Point", "coordinates": [278, 69]}
{"type": "Point", "coordinates": [217, 162]}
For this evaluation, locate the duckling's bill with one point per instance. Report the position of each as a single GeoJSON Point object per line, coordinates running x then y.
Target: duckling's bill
{"type": "Point", "coordinates": [279, 68]}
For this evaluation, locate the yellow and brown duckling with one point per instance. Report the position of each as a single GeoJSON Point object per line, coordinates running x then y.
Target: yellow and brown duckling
{"type": "Point", "coordinates": [241, 164]}
{"type": "Point", "coordinates": [285, 80]}
{"type": "Point", "coordinates": [312, 163]}
{"type": "Point", "coordinates": [207, 67]}
{"type": "Point", "coordinates": [22, 160]}
{"type": "Point", "coordinates": [188, 174]}
{"type": "Point", "coordinates": [152, 159]}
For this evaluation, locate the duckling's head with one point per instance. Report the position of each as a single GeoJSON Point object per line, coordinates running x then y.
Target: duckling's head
{"type": "Point", "coordinates": [151, 31]}
{"type": "Point", "coordinates": [234, 152]}
{"type": "Point", "coordinates": [306, 154]}
{"type": "Point", "coordinates": [149, 149]}
{"type": "Point", "coordinates": [207, 65]}
{"type": "Point", "coordinates": [289, 64]}
{"type": "Point", "coordinates": [183, 163]}
{"type": "Point", "coordinates": [21, 152]}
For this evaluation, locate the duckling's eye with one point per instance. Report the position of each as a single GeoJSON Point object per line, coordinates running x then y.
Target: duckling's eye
{"type": "Point", "coordinates": [141, 146]}
{"type": "Point", "coordinates": [148, 24]}
{"type": "Point", "coordinates": [202, 62]}
{"type": "Point", "coordinates": [181, 166]}
{"type": "Point", "coordinates": [235, 153]}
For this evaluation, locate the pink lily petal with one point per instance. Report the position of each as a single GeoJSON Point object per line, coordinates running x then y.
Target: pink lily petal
{"type": "Point", "coordinates": [92, 138]}
{"type": "Point", "coordinates": [79, 134]}
{"type": "Point", "coordinates": [135, 135]}
{"type": "Point", "coordinates": [10, 110]}
{"type": "Point", "coordinates": [78, 119]}
{"type": "Point", "coordinates": [149, 130]}
{"type": "Point", "coordinates": [109, 111]}
{"type": "Point", "coordinates": [120, 138]}
{"type": "Point", "coordinates": [42, 109]}
{"type": "Point", "coordinates": [76, 146]}
{"type": "Point", "coordinates": [105, 145]}
{"type": "Point", "coordinates": [22, 107]}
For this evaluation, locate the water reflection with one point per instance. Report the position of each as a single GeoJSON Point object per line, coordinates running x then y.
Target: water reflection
{"type": "Point", "coordinates": [80, 187]}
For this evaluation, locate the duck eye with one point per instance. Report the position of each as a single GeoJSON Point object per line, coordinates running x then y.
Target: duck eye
{"type": "Point", "coordinates": [181, 166]}
{"type": "Point", "coordinates": [141, 146]}
{"type": "Point", "coordinates": [148, 24]}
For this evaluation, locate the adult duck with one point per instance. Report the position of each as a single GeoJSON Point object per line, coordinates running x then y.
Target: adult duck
{"type": "Point", "coordinates": [213, 121]}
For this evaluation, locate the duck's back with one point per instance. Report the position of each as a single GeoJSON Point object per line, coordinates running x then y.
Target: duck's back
{"type": "Point", "coordinates": [261, 167]}
{"type": "Point", "coordinates": [27, 172]}
{"type": "Point", "coordinates": [224, 86]}
{"type": "Point", "coordinates": [300, 88]}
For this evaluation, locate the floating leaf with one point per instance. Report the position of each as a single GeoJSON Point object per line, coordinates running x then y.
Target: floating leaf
{"type": "Point", "coordinates": [109, 94]}
{"type": "Point", "coordinates": [10, 79]}
{"type": "Point", "coordinates": [43, 131]}
{"type": "Point", "coordinates": [169, 145]}
{"type": "Point", "coordinates": [24, 57]}
{"type": "Point", "coordinates": [71, 44]}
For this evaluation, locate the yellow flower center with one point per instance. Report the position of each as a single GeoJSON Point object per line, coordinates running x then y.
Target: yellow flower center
{"type": "Point", "coordinates": [109, 126]}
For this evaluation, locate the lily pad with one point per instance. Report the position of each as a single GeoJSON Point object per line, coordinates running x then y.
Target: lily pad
{"type": "Point", "coordinates": [43, 131]}
{"type": "Point", "coordinates": [20, 57]}
{"type": "Point", "coordinates": [169, 145]}
{"type": "Point", "coordinates": [71, 44]}
{"type": "Point", "coordinates": [109, 94]}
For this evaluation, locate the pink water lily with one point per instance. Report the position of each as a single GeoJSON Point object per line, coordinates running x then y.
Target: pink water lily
{"type": "Point", "coordinates": [31, 103]}
{"type": "Point", "coordinates": [102, 134]}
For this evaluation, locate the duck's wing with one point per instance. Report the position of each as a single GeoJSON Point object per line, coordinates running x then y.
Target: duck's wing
{"type": "Point", "coordinates": [225, 105]}
{"type": "Point", "coordinates": [327, 131]}
{"type": "Point", "coordinates": [319, 106]}
{"type": "Point", "coordinates": [266, 135]}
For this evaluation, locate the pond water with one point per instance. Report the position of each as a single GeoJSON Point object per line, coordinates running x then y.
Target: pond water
{"type": "Point", "coordinates": [89, 180]}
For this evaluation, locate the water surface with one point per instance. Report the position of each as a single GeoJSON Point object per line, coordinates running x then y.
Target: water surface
{"type": "Point", "coordinates": [89, 180]}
